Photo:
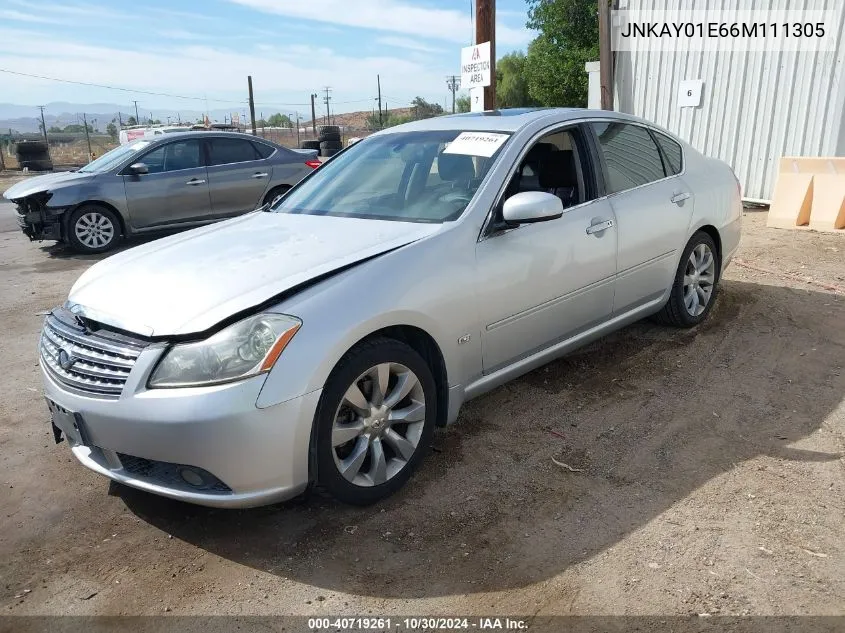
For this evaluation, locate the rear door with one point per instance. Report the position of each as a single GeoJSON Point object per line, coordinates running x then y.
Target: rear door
{"type": "Point", "coordinates": [653, 208]}
{"type": "Point", "coordinates": [174, 191]}
{"type": "Point", "coordinates": [237, 175]}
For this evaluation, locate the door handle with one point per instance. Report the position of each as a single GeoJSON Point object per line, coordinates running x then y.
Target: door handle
{"type": "Point", "coordinates": [679, 197]}
{"type": "Point", "coordinates": [599, 227]}
{"type": "Point", "coordinates": [195, 181]}
{"type": "Point", "coordinates": [260, 175]}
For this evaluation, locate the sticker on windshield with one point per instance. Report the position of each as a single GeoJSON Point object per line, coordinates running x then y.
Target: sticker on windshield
{"type": "Point", "coordinates": [476, 143]}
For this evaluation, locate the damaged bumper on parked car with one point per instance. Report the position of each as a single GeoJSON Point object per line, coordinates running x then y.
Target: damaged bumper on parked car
{"type": "Point", "coordinates": [37, 220]}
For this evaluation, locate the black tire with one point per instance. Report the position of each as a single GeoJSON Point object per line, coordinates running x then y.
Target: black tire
{"type": "Point", "coordinates": [349, 371]}
{"type": "Point", "coordinates": [328, 153]}
{"type": "Point", "coordinates": [93, 212]}
{"type": "Point", "coordinates": [310, 145]}
{"type": "Point", "coordinates": [336, 145]}
{"type": "Point", "coordinates": [675, 312]}
{"type": "Point", "coordinates": [330, 138]}
{"type": "Point", "coordinates": [329, 130]}
{"type": "Point", "coordinates": [30, 147]}
{"type": "Point", "coordinates": [275, 192]}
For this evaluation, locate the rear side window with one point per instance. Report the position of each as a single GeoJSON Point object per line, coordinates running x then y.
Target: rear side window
{"type": "Point", "coordinates": [672, 152]}
{"type": "Point", "coordinates": [630, 154]}
{"type": "Point", "coordinates": [264, 150]}
{"type": "Point", "coordinates": [223, 151]}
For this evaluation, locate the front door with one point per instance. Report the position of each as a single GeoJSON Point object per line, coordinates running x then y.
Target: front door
{"type": "Point", "coordinates": [174, 191]}
{"type": "Point", "coordinates": [237, 176]}
{"type": "Point", "coordinates": [545, 282]}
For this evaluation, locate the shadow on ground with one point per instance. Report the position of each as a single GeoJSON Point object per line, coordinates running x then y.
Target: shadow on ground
{"type": "Point", "coordinates": [650, 414]}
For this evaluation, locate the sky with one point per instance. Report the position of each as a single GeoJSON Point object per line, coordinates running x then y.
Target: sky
{"type": "Point", "coordinates": [205, 50]}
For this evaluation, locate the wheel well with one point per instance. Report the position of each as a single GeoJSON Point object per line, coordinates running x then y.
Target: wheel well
{"type": "Point", "coordinates": [424, 345]}
{"type": "Point", "coordinates": [95, 203]}
{"type": "Point", "coordinates": [713, 232]}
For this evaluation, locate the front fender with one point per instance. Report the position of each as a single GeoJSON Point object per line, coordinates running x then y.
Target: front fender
{"type": "Point", "coordinates": [427, 285]}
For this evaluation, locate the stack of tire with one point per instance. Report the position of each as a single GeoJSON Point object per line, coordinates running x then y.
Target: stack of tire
{"type": "Point", "coordinates": [330, 142]}
{"type": "Point", "coordinates": [33, 155]}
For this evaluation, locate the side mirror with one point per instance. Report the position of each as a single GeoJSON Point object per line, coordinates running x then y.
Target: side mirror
{"type": "Point", "coordinates": [138, 169]}
{"type": "Point", "coordinates": [531, 206]}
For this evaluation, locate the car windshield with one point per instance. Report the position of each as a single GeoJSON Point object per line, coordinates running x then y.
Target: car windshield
{"type": "Point", "coordinates": [423, 176]}
{"type": "Point", "coordinates": [115, 157]}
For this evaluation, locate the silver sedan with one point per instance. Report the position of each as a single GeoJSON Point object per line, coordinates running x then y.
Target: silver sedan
{"type": "Point", "coordinates": [322, 340]}
{"type": "Point", "coordinates": [176, 181]}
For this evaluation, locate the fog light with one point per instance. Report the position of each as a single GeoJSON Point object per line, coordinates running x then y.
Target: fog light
{"type": "Point", "coordinates": [192, 477]}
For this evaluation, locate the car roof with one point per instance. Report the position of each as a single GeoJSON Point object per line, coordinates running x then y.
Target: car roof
{"type": "Point", "coordinates": [207, 134]}
{"type": "Point", "coordinates": [508, 120]}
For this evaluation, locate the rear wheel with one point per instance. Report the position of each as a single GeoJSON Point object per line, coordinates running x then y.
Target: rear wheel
{"type": "Point", "coordinates": [275, 193]}
{"type": "Point", "coordinates": [375, 421]}
{"type": "Point", "coordinates": [93, 229]}
{"type": "Point", "coordinates": [694, 288]}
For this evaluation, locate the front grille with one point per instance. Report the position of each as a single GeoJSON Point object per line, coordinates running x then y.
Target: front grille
{"type": "Point", "coordinates": [84, 360]}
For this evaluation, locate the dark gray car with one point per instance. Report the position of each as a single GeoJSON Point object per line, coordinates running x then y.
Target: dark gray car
{"type": "Point", "coordinates": [178, 181]}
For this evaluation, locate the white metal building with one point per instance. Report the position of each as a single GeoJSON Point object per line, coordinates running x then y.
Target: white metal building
{"type": "Point", "coordinates": [755, 106]}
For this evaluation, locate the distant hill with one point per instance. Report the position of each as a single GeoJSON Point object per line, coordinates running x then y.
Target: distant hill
{"type": "Point", "coordinates": [358, 120]}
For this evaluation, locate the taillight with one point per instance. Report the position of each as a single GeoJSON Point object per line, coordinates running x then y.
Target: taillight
{"type": "Point", "coordinates": [313, 163]}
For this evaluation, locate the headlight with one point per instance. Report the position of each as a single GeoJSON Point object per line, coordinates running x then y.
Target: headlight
{"type": "Point", "coordinates": [244, 349]}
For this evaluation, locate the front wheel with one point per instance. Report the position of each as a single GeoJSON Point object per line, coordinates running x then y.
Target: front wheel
{"type": "Point", "coordinates": [375, 421]}
{"type": "Point", "coordinates": [93, 229]}
{"type": "Point", "coordinates": [694, 288]}
{"type": "Point", "coordinates": [275, 193]}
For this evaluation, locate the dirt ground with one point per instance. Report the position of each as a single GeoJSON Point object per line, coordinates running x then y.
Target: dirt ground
{"type": "Point", "coordinates": [711, 479]}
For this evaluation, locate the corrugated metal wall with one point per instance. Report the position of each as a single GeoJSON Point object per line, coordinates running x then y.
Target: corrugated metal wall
{"type": "Point", "coordinates": [755, 107]}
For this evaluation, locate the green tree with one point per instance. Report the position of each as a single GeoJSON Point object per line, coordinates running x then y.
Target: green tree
{"type": "Point", "coordinates": [422, 109]}
{"type": "Point", "coordinates": [53, 129]}
{"type": "Point", "coordinates": [131, 121]}
{"type": "Point", "coordinates": [75, 128]}
{"type": "Point", "coordinates": [279, 120]}
{"type": "Point", "coordinates": [569, 37]}
{"type": "Point", "coordinates": [111, 128]}
{"type": "Point", "coordinates": [511, 82]}
{"type": "Point", "coordinates": [462, 103]}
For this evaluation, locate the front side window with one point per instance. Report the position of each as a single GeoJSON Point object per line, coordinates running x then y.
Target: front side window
{"type": "Point", "coordinates": [630, 155]}
{"type": "Point", "coordinates": [173, 157]}
{"type": "Point", "coordinates": [223, 151]}
{"type": "Point", "coordinates": [404, 176]}
{"type": "Point", "coordinates": [553, 165]}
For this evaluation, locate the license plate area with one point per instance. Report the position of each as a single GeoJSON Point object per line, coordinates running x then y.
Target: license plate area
{"type": "Point", "coordinates": [68, 423]}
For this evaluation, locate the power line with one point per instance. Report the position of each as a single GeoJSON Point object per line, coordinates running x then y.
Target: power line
{"type": "Point", "coordinates": [93, 85]}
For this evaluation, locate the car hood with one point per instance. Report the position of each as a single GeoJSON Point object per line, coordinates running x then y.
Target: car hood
{"type": "Point", "coordinates": [46, 182]}
{"type": "Point", "coordinates": [189, 282]}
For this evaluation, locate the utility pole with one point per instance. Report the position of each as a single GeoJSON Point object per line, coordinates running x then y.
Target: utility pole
{"type": "Point", "coordinates": [485, 31]}
{"type": "Point", "coordinates": [453, 82]}
{"type": "Point", "coordinates": [119, 120]}
{"type": "Point", "coordinates": [137, 116]}
{"type": "Point", "coordinates": [87, 138]}
{"type": "Point", "coordinates": [251, 104]}
{"type": "Point", "coordinates": [605, 56]}
{"type": "Point", "coordinates": [297, 128]}
{"type": "Point", "coordinates": [43, 125]}
{"type": "Point", "coordinates": [327, 99]}
{"type": "Point", "coordinates": [313, 115]}
{"type": "Point", "coordinates": [380, 122]}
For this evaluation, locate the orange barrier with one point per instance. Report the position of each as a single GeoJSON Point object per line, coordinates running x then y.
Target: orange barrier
{"type": "Point", "coordinates": [810, 192]}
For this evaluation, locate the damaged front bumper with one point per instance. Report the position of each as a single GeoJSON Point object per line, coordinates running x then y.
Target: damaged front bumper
{"type": "Point", "coordinates": [37, 220]}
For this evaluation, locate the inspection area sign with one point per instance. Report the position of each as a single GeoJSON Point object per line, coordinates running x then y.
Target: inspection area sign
{"type": "Point", "coordinates": [475, 66]}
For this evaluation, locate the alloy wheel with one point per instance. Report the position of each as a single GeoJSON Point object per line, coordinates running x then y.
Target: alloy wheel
{"type": "Point", "coordinates": [378, 425]}
{"type": "Point", "coordinates": [699, 279]}
{"type": "Point", "coordinates": [94, 230]}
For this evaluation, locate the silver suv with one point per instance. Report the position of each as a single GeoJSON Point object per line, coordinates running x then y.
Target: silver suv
{"type": "Point", "coordinates": [179, 181]}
